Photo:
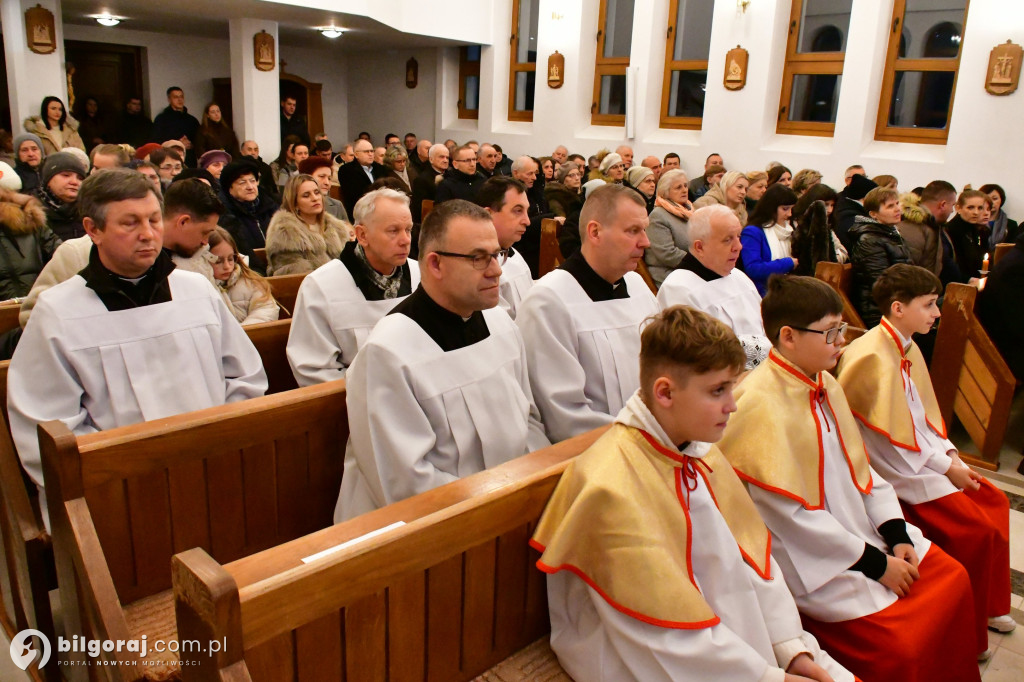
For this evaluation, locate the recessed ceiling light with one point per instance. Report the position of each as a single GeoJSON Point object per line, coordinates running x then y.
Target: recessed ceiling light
{"type": "Point", "coordinates": [106, 19]}
{"type": "Point", "coordinates": [331, 31]}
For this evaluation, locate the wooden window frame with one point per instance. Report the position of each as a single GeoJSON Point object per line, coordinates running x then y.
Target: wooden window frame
{"type": "Point", "coordinates": [805, 63]}
{"type": "Point", "coordinates": [677, 122]}
{"type": "Point", "coordinates": [606, 66]}
{"type": "Point", "coordinates": [894, 63]}
{"type": "Point", "coordinates": [467, 69]}
{"type": "Point", "coordinates": [515, 67]}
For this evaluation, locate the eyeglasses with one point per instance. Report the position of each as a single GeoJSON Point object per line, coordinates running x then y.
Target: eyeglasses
{"type": "Point", "coordinates": [480, 260]}
{"type": "Point", "coordinates": [473, 160]}
{"type": "Point", "coordinates": [831, 335]}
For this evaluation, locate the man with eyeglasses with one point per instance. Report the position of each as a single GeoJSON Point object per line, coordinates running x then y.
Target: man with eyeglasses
{"type": "Point", "coordinates": [581, 323]}
{"type": "Point", "coordinates": [461, 181]}
{"type": "Point", "coordinates": [505, 199]}
{"type": "Point", "coordinates": [440, 389]}
{"type": "Point", "coordinates": [707, 279]}
{"type": "Point", "coordinates": [355, 177]}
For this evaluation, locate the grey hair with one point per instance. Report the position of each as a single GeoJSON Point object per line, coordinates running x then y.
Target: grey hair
{"type": "Point", "coordinates": [436, 149]}
{"type": "Point", "coordinates": [394, 153]}
{"type": "Point", "coordinates": [117, 184]}
{"type": "Point", "coordinates": [668, 179]}
{"type": "Point", "coordinates": [520, 163]}
{"type": "Point", "coordinates": [367, 204]}
{"type": "Point", "coordinates": [700, 221]}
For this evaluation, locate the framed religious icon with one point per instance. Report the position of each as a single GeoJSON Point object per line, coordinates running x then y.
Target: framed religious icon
{"type": "Point", "coordinates": [40, 31]}
{"type": "Point", "coordinates": [263, 51]}
{"type": "Point", "coordinates": [736, 68]}
{"type": "Point", "coordinates": [412, 73]}
{"type": "Point", "coordinates": [556, 70]}
{"type": "Point", "coordinates": [1004, 64]}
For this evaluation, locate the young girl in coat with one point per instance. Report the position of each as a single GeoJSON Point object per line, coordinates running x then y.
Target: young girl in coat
{"type": "Point", "coordinates": [246, 293]}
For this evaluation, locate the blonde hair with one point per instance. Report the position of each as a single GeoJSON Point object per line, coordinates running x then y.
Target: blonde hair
{"type": "Point", "coordinates": [221, 236]}
{"type": "Point", "coordinates": [290, 195]}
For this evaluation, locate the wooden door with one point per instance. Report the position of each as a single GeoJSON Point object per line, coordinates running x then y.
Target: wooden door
{"type": "Point", "coordinates": [110, 73]}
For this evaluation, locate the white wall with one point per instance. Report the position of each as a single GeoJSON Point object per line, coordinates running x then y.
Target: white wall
{"type": "Point", "coordinates": [985, 142]}
{"type": "Point", "coordinates": [379, 102]}
{"type": "Point", "coordinates": [331, 70]}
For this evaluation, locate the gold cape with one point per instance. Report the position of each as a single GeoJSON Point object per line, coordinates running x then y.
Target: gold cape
{"type": "Point", "coordinates": [774, 440]}
{"type": "Point", "coordinates": [619, 520]}
{"type": "Point", "coordinates": [870, 374]}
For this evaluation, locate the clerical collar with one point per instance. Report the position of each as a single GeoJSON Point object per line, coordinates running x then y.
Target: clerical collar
{"type": "Point", "coordinates": [691, 263]}
{"type": "Point", "coordinates": [123, 293]}
{"type": "Point", "coordinates": [373, 285]}
{"type": "Point", "coordinates": [447, 329]}
{"type": "Point", "coordinates": [594, 285]}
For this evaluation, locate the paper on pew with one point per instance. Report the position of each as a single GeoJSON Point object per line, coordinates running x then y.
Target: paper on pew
{"type": "Point", "coordinates": [353, 541]}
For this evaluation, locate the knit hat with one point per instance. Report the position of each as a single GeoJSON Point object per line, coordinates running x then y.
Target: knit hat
{"type": "Point", "coordinates": [859, 187]}
{"type": "Point", "coordinates": [636, 174]}
{"type": "Point", "coordinates": [8, 178]}
{"type": "Point", "coordinates": [28, 137]}
{"type": "Point", "coordinates": [213, 156]}
{"type": "Point", "coordinates": [610, 160]}
{"type": "Point", "coordinates": [564, 170]}
{"type": "Point", "coordinates": [146, 149]}
{"type": "Point", "coordinates": [592, 185]}
{"type": "Point", "coordinates": [175, 144]}
{"type": "Point", "coordinates": [237, 169]}
{"type": "Point", "coordinates": [60, 162]}
{"type": "Point", "coordinates": [83, 158]}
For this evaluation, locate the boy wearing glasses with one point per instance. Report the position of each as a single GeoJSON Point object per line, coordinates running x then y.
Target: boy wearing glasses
{"type": "Point", "coordinates": [439, 390]}
{"type": "Point", "coordinates": [886, 381]}
{"type": "Point", "coordinates": [882, 599]}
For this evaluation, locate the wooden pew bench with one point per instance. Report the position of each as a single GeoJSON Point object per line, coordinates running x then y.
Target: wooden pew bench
{"type": "Point", "coordinates": [449, 595]}
{"type": "Point", "coordinates": [271, 340]}
{"type": "Point", "coordinates": [9, 312]}
{"type": "Point", "coordinates": [233, 479]}
{"type": "Point", "coordinates": [285, 289]}
{"type": "Point", "coordinates": [550, 254]}
{"type": "Point", "coordinates": [839, 277]}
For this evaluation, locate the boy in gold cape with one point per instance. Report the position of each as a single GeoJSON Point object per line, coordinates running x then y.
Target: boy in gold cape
{"type": "Point", "coordinates": [660, 567]}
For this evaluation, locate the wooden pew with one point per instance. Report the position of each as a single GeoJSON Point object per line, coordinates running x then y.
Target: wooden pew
{"type": "Point", "coordinates": [550, 255]}
{"type": "Point", "coordinates": [971, 379]}
{"type": "Point", "coordinates": [425, 208]}
{"type": "Point", "coordinates": [233, 479]}
{"type": "Point", "coordinates": [271, 340]}
{"type": "Point", "coordinates": [1001, 250]}
{"type": "Point", "coordinates": [9, 316]}
{"type": "Point", "coordinates": [839, 278]}
{"type": "Point", "coordinates": [644, 272]}
{"type": "Point", "coordinates": [261, 256]}
{"type": "Point", "coordinates": [457, 580]}
{"type": "Point", "coordinates": [285, 289]}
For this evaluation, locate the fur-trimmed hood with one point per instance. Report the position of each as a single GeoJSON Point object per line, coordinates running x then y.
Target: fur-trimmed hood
{"type": "Point", "coordinates": [21, 213]}
{"type": "Point", "coordinates": [913, 211]}
{"type": "Point", "coordinates": [35, 124]}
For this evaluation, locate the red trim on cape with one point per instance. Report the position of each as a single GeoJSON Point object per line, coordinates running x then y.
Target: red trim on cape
{"type": "Point", "coordinates": [863, 420]}
{"type": "Point", "coordinates": [849, 462]}
{"type": "Point", "coordinates": [779, 491]}
{"type": "Point", "coordinates": [903, 354]}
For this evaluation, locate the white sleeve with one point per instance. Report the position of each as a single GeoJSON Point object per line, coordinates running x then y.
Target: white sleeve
{"type": "Point", "coordinates": [313, 351]}
{"type": "Point", "coordinates": [244, 376]}
{"type": "Point", "coordinates": [535, 436]}
{"type": "Point", "coordinates": [557, 377]}
{"type": "Point", "coordinates": [882, 504]}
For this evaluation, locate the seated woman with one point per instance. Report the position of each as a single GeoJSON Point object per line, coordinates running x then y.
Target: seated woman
{"type": "Point", "coordinates": [642, 180]}
{"type": "Point", "coordinates": [26, 243]}
{"type": "Point", "coordinates": [547, 168]}
{"type": "Point", "coordinates": [730, 191]}
{"type": "Point", "coordinates": [668, 230]}
{"type": "Point", "coordinates": [758, 184]}
{"type": "Point", "coordinates": [246, 294]}
{"type": "Point", "coordinates": [968, 232]}
{"type": "Point", "coordinates": [396, 160]}
{"type": "Point", "coordinates": [877, 245]}
{"type": "Point", "coordinates": [1001, 228]}
{"type": "Point", "coordinates": [563, 194]}
{"type": "Point", "coordinates": [780, 175]}
{"type": "Point", "coordinates": [302, 236]}
{"type": "Point", "coordinates": [286, 165]}
{"type": "Point", "coordinates": [612, 169]}
{"type": "Point", "coordinates": [804, 179]}
{"type": "Point", "coordinates": [767, 240]}
{"type": "Point", "coordinates": [814, 236]}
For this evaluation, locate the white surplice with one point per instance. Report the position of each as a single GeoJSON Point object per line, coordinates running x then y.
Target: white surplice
{"type": "Point", "coordinates": [96, 369]}
{"type": "Point", "coordinates": [816, 548]}
{"type": "Point", "coordinates": [583, 355]}
{"type": "Point", "coordinates": [332, 321]}
{"type": "Point", "coordinates": [516, 280]}
{"type": "Point", "coordinates": [756, 640]}
{"type": "Point", "coordinates": [420, 417]}
{"type": "Point", "coordinates": [733, 299]}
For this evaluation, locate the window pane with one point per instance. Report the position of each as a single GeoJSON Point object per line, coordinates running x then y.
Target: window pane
{"type": "Point", "coordinates": [472, 93]}
{"type": "Point", "coordinates": [472, 53]}
{"type": "Point", "coordinates": [824, 26]}
{"type": "Point", "coordinates": [527, 47]}
{"type": "Point", "coordinates": [686, 93]}
{"type": "Point", "coordinates": [815, 97]}
{"type": "Point", "coordinates": [933, 28]}
{"type": "Point", "coordinates": [525, 81]}
{"type": "Point", "coordinates": [693, 30]}
{"type": "Point", "coordinates": [613, 95]}
{"type": "Point", "coordinates": [921, 99]}
{"type": "Point", "coordinates": [618, 28]}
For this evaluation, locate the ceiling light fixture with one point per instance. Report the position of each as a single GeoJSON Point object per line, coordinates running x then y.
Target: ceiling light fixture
{"type": "Point", "coordinates": [106, 19]}
{"type": "Point", "coordinates": [331, 31]}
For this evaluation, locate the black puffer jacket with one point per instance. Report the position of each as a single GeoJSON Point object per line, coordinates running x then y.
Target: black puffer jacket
{"type": "Point", "coordinates": [26, 243]}
{"type": "Point", "coordinates": [62, 218]}
{"type": "Point", "coordinates": [969, 244]}
{"type": "Point", "coordinates": [876, 247]}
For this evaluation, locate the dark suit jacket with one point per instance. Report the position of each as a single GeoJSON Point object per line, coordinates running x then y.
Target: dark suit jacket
{"type": "Point", "coordinates": [353, 182]}
{"type": "Point", "coordinates": [423, 187]}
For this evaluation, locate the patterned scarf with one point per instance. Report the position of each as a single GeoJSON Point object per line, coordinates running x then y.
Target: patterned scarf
{"type": "Point", "coordinates": [389, 284]}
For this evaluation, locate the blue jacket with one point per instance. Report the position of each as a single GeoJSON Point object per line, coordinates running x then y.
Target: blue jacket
{"type": "Point", "coordinates": [757, 258]}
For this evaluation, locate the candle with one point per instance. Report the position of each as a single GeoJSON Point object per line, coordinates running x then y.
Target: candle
{"type": "Point", "coordinates": [984, 264]}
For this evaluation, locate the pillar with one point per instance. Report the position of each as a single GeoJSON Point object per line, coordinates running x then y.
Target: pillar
{"type": "Point", "coordinates": [255, 94]}
{"type": "Point", "coordinates": [31, 76]}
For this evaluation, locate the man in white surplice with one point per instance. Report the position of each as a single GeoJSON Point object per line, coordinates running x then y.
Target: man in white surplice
{"type": "Point", "coordinates": [440, 389]}
{"type": "Point", "coordinates": [129, 338]}
{"type": "Point", "coordinates": [581, 322]}
{"type": "Point", "coordinates": [340, 302]}
{"type": "Point", "coordinates": [505, 199]}
{"type": "Point", "coordinates": [707, 279]}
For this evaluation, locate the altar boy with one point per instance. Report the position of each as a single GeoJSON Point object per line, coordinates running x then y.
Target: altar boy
{"type": "Point", "coordinates": [659, 566]}
{"type": "Point", "coordinates": [887, 603]}
{"type": "Point", "coordinates": [886, 381]}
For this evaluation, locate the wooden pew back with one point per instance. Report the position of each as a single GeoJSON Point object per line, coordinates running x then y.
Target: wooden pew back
{"type": "Point", "coordinates": [444, 597]}
{"type": "Point", "coordinates": [271, 340]}
{"type": "Point", "coordinates": [971, 379]}
{"type": "Point", "coordinates": [9, 316]}
{"type": "Point", "coordinates": [285, 289]}
{"type": "Point", "coordinates": [1001, 250]}
{"type": "Point", "coordinates": [839, 277]}
{"type": "Point", "coordinates": [550, 254]}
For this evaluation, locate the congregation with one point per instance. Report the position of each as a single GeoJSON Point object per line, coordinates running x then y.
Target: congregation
{"type": "Point", "coordinates": [819, 526]}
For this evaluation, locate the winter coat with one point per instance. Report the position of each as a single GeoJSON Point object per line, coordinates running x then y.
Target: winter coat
{"type": "Point", "coordinates": [62, 218]}
{"type": "Point", "coordinates": [561, 199]}
{"type": "Point", "coordinates": [217, 136]}
{"type": "Point", "coordinates": [51, 145]}
{"type": "Point", "coordinates": [921, 234]}
{"type": "Point", "coordinates": [244, 300]}
{"type": "Point", "coordinates": [670, 240]}
{"type": "Point", "coordinates": [26, 243]}
{"type": "Point", "coordinates": [716, 195]}
{"type": "Point", "coordinates": [756, 257]}
{"type": "Point", "coordinates": [812, 240]}
{"type": "Point", "coordinates": [31, 178]}
{"type": "Point", "coordinates": [458, 185]}
{"type": "Point", "coordinates": [998, 307]}
{"type": "Point", "coordinates": [876, 247]}
{"type": "Point", "coordinates": [847, 211]}
{"type": "Point", "coordinates": [248, 225]}
{"type": "Point", "coordinates": [293, 247]}
{"type": "Point", "coordinates": [969, 244]}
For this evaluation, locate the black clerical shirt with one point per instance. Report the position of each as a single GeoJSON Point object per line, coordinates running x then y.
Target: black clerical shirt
{"type": "Point", "coordinates": [594, 285]}
{"type": "Point", "coordinates": [447, 329]}
{"type": "Point", "coordinates": [691, 263]}
{"type": "Point", "coordinates": [120, 293]}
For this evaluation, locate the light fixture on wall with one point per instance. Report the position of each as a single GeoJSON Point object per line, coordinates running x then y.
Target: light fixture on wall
{"type": "Point", "coordinates": [331, 31]}
{"type": "Point", "coordinates": [106, 19]}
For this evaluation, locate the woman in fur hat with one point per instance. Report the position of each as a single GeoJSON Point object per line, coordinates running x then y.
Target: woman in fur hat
{"type": "Point", "coordinates": [54, 127]}
{"type": "Point", "coordinates": [26, 243]}
{"type": "Point", "coordinates": [302, 236]}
